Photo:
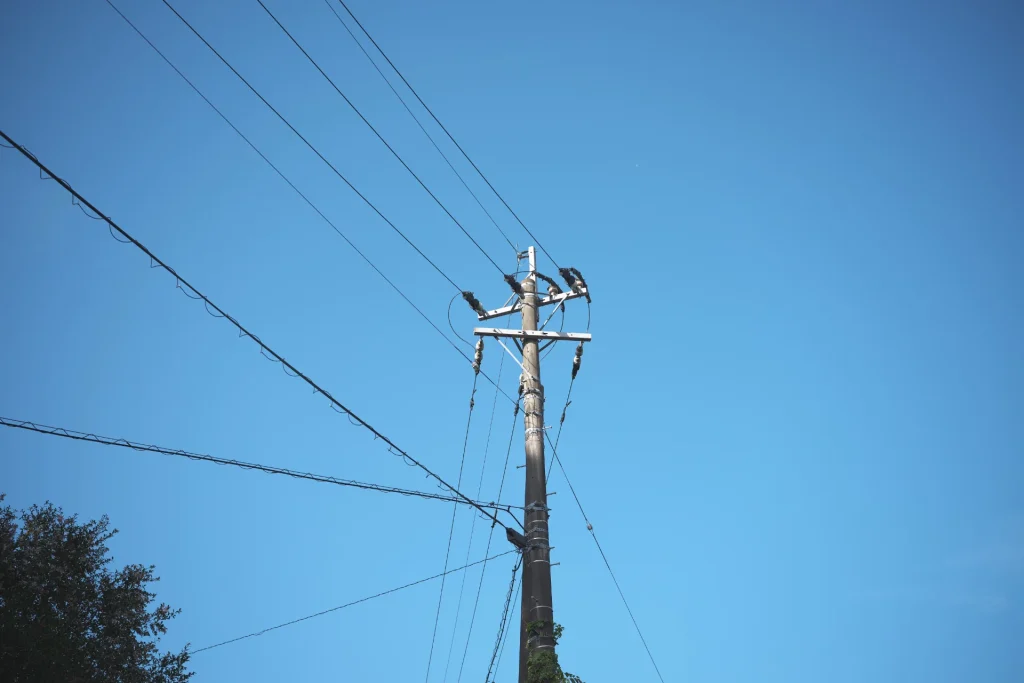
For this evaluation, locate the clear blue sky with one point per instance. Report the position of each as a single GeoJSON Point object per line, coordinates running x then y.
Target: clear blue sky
{"type": "Point", "coordinates": [799, 431]}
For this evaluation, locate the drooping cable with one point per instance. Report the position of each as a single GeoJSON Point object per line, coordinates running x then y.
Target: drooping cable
{"type": "Point", "coordinates": [348, 604]}
{"type": "Point", "coordinates": [455, 509]}
{"type": "Point", "coordinates": [290, 369]}
{"type": "Point", "coordinates": [380, 137]}
{"type": "Point", "coordinates": [310, 145]}
{"type": "Point", "coordinates": [268, 469]}
{"type": "Point", "coordinates": [450, 137]}
{"type": "Point", "coordinates": [420, 124]}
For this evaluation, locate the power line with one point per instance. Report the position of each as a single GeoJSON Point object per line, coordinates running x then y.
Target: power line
{"type": "Point", "coordinates": [380, 137]}
{"type": "Point", "coordinates": [348, 604]}
{"type": "Point", "coordinates": [451, 528]}
{"type": "Point", "coordinates": [290, 369]}
{"type": "Point", "coordinates": [472, 528]}
{"type": "Point", "coordinates": [490, 535]}
{"type": "Point", "coordinates": [421, 126]}
{"type": "Point", "coordinates": [268, 469]}
{"type": "Point", "coordinates": [450, 137]}
{"type": "Point", "coordinates": [561, 423]}
{"type": "Point", "coordinates": [499, 642]}
{"type": "Point", "coordinates": [310, 145]}
{"type": "Point", "coordinates": [590, 528]}
{"type": "Point", "coordinates": [292, 185]}
{"type": "Point", "coordinates": [515, 598]}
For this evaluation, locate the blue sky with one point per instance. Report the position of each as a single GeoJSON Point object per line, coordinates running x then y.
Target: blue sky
{"type": "Point", "coordinates": [798, 431]}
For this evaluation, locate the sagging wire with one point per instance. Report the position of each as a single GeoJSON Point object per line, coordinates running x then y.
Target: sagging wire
{"type": "Point", "coordinates": [242, 331]}
{"type": "Point", "coordinates": [477, 362]}
{"type": "Point", "coordinates": [200, 457]}
{"type": "Point", "coordinates": [503, 624]}
{"type": "Point", "coordinates": [348, 604]}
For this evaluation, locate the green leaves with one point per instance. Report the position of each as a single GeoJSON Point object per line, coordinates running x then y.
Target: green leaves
{"type": "Point", "coordinates": [66, 616]}
{"type": "Point", "coordinates": [542, 665]}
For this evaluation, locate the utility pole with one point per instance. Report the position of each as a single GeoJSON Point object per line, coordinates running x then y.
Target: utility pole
{"type": "Point", "coordinates": [536, 609]}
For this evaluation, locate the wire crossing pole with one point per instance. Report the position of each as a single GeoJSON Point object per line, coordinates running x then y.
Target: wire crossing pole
{"type": "Point", "coordinates": [537, 615]}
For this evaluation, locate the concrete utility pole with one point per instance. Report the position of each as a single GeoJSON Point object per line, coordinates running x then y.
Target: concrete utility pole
{"type": "Point", "coordinates": [536, 603]}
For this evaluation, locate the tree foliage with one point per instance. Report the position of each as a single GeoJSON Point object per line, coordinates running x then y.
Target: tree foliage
{"type": "Point", "coordinates": [66, 617]}
{"type": "Point", "coordinates": [542, 665]}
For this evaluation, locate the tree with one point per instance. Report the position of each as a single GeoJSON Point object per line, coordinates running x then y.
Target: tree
{"type": "Point", "coordinates": [542, 665]}
{"type": "Point", "coordinates": [66, 617]}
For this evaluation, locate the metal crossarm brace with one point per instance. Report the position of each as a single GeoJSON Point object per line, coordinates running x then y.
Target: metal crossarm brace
{"type": "Point", "coordinates": [536, 335]}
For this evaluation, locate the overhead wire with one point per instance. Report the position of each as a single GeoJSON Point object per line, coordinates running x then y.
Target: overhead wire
{"type": "Point", "coordinates": [186, 287]}
{"type": "Point", "coordinates": [503, 631]}
{"type": "Point", "coordinates": [450, 137]}
{"type": "Point", "coordinates": [503, 625]}
{"type": "Point", "coordinates": [348, 604]}
{"type": "Point", "coordinates": [490, 536]}
{"type": "Point", "coordinates": [380, 137]}
{"type": "Point", "coordinates": [455, 509]}
{"type": "Point", "coordinates": [472, 528]}
{"type": "Point", "coordinates": [459, 336]}
{"type": "Point", "coordinates": [311, 146]}
{"type": "Point", "coordinates": [421, 126]}
{"type": "Point", "coordinates": [590, 526]}
{"type": "Point", "coordinates": [72, 434]}
{"type": "Point", "coordinates": [292, 185]}
{"type": "Point", "coordinates": [561, 423]}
